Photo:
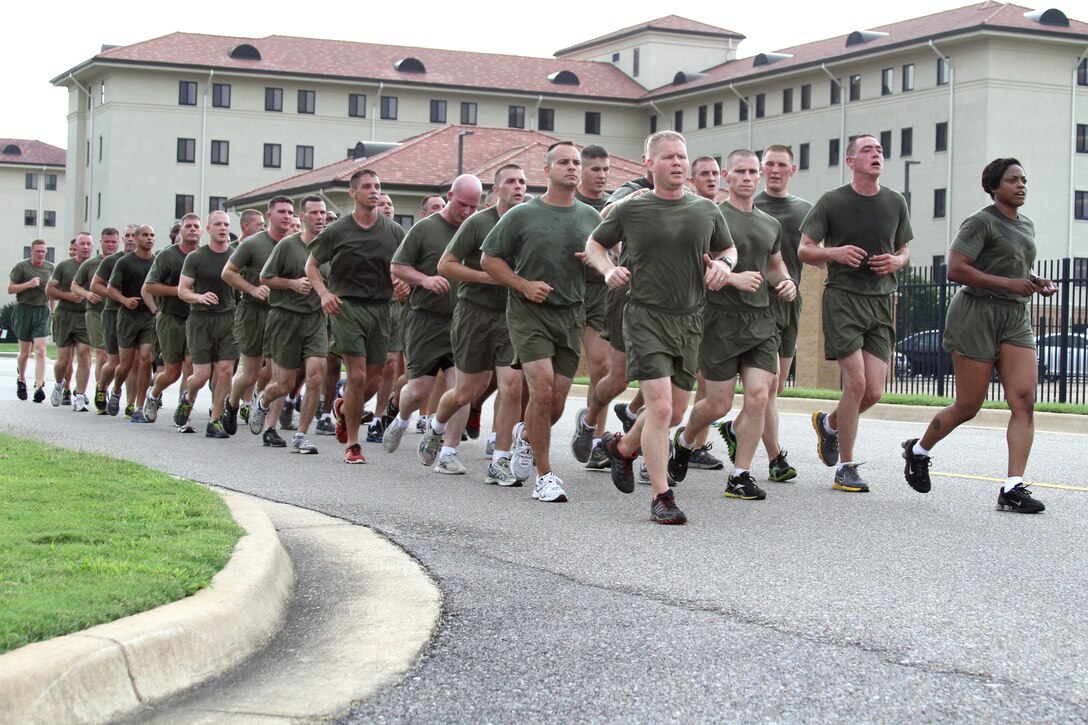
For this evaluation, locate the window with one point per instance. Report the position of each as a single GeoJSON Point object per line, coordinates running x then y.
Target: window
{"type": "Point", "coordinates": [939, 197]}
{"type": "Point", "coordinates": [272, 155]}
{"type": "Point", "coordinates": [468, 114]}
{"type": "Point", "coordinates": [405, 220]}
{"type": "Point", "coordinates": [183, 204]}
{"type": "Point", "coordinates": [836, 92]}
{"type": "Point", "coordinates": [702, 116]}
{"type": "Point", "coordinates": [802, 156]}
{"type": "Point", "coordinates": [806, 96]}
{"type": "Point", "coordinates": [516, 117]}
{"type": "Point", "coordinates": [908, 77]}
{"type": "Point", "coordinates": [546, 119]}
{"type": "Point", "coordinates": [787, 100]}
{"type": "Point", "coordinates": [906, 142]}
{"type": "Point", "coordinates": [50, 182]}
{"type": "Point", "coordinates": [49, 218]}
{"type": "Point", "coordinates": [217, 203]}
{"type": "Point", "coordinates": [942, 137]}
{"type": "Point", "coordinates": [307, 100]}
{"type": "Point", "coordinates": [653, 123]}
{"type": "Point", "coordinates": [887, 78]}
{"type": "Point", "coordinates": [357, 105]}
{"type": "Point", "coordinates": [742, 113]}
{"type": "Point", "coordinates": [304, 157]}
{"type": "Point", "coordinates": [593, 121]}
{"type": "Point", "coordinates": [833, 152]}
{"type": "Point", "coordinates": [438, 111]}
{"type": "Point", "coordinates": [220, 153]}
{"type": "Point", "coordinates": [678, 122]}
{"type": "Point", "coordinates": [761, 105]}
{"type": "Point", "coordinates": [186, 150]}
{"type": "Point", "coordinates": [944, 71]}
{"type": "Point", "coordinates": [719, 109]}
{"type": "Point", "coordinates": [1082, 139]}
{"type": "Point", "coordinates": [221, 95]}
{"type": "Point", "coordinates": [634, 66]}
{"type": "Point", "coordinates": [32, 181]}
{"type": "Point", "coordinates": [186, 93]}
{"type": "Point", "coordinates": [615, 57]}
{"type": "Point", "coordinates": [855, 88]}
{"type": "Point", "coordinates": [886, 143]}
{"type": "Point", "coordinates": [98, 206]}
{"type": "Point", "coordinates": [1082, 72]}
{"type": "Point", "coordinates": [273, 99]}
{"type": "Point", "coordinates": [389, 108]}
{"type": "Point", "coordinates": [1080, 205]}
{"type": "Point", "coordinates": [30, 217]}
{"type": "Point", "coordinates": [99, 148]}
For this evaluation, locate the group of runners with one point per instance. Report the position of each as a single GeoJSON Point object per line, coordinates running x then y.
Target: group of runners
{"type": "Point", "coordinates": [674, 280]}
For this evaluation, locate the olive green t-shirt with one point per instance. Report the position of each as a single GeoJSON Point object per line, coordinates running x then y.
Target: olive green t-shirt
{"type": "Point", "coordinates": [465, 246]}
{"type": "Point", "coordinates": [83, 278]}
{"type": "Point", "coordinates": [630, 187]}
{"type": "Point", "coordinates": [166, 269]}
{"type": "Point", "coordinates": [288, 260]}
{"type": "Point", "coordinates": [757, 235]}
{"type": "Point", "coordinates": [64, 272]}
{"type": "Point", "coordinates": [542, 240]}
{"type": "Point", "coordinates": [104, 272]}
{"type": "Point", "coordinates": [597, 204]}
{"type": "Point", "coordinates": [421, 248]}
{"type": "Point", "coordinates": [23, 272]}
{"type": "Point", "coordinates": [665, 240]}
{"type": "Point", "coordinates": [997, 245]}
{"type": "Point", "coordinates": [205, 267]}
{"type": "Point", "coordinates": [879, 224]}
{"type": "Point", "coordinates": [128, 277]}
{"type": "Point", "coordinates": [790, 211]}
{"type": "Point", "coordinates": [359, 257]}
{"type": "Point", "coordinates": [249, 258]}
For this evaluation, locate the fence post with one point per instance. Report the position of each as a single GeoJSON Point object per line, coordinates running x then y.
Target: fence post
{"type": "Point", "coordinates": [940, 277]}
{"type": "Point", "coordinates": [1063, 362]}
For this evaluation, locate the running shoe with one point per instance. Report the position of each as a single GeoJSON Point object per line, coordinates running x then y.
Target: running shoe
{"type": "Point", "coordinates": [215, 430]}
{"type": "Point", "coordinates": [113, 404]}
{"type": "Point", "coordinates": [780, 470]}
{"type": "Point", "coordinates": [138, 417]}
{"type": "Point", "coordinates": [726, 431]}
{"type": "Point", "coordinates": [287, 415]}
{"type": "Point", "coordinates": [626, 419]}
{"type": "Point", "coordinates": [80, 404]}
{"type": "Point", "coordinates": [100, 400]}
{"type": "Point", "coordinates": [678, 461]}
{"type": "Point", "coordinates": [1019, 500]}
{"type": "Point", "coordinates": [66, 398]}
{"type": "Point", "coordinates": [472, 428]}
{"type": "Point", "coordinates": [57, 394]}
{"type": "Point", "coordinates": [129, 410]}
{"type": "Point", "coordinates": [643, 475]}
{"type": "Point", "coordinates": [915, 467]}
{"type": "Point", "coordinates": [523, 463]}
{"type": "Point", "coordinates": [704, 460]}
{"type": "Point", "coordinates": [391, 438]}
{"type": "Point", "coordinates": [598, 461]}
{"type": "Point", "coordinates": [421, 424]}
{"type": "Point", "coordinates": [549, 489]}
{"type": "Point", "coordinates": [20, 389]}
{"type": "Point", "coordinates": [151, 406]}
{"type": "Point", "coordinates": [341, 429]}
{"type": "Point", "coordinates": [374, 432]}
{"type": "Point", "coordinates": [302, 444]}
{"type": "Point", "coordinates": [243, 411]}
{"type": "Point", "coordinates": [39, 395]}
{"type": "Point", "coordinates": [230, 416]}
{"type": "Point", "coordinates": [827, 444]}
{"type": "Point", "coordinates": [582, 442]}
{"type": "Point", "coordinates": [743, 487]}
{"type": "Point", "coordinates": [257, 415]}
{"type": "Point", "coordinates": [354, 454]}
{"type": "Point", "coordinates": [326, 426]}
{"type": "Point", "coordinates": [391, 411]}
{"type": "Point", "coordinates": [489, 448]}
{"type": "Point", "coordinates": [848, 479]}
{"type": "Point", "coordinates": [623, 468]}
{"type": "Point", "coordinates": [449, 465]}
{"type": "Point", "coordinates": [663, 509]}
{"type": "Point", "coordinates": [271, 439]}
{"type": "Point", "coordinates": [429, 446]}
{"type": "Point", "coordinates": [181, 413]}
{"type": "Point", "coordinates": [498, 473]}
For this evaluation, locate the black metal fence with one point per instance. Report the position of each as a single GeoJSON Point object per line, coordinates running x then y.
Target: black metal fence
{"type": "Point", "coordinates": [922, 366]}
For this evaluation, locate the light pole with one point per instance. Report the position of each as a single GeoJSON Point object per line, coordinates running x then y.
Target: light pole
{"type": "Point", "coordinates": [906, 179]}
{"type": "Point", "coordinates": [461, 150]}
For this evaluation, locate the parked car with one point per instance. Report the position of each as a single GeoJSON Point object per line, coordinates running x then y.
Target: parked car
{"type": "Point", "coordinates": [923, 350]}
{"type": "Point", "coordinates": [1049, 349]}
{"type": "Point", "coordinates": [902, 366]}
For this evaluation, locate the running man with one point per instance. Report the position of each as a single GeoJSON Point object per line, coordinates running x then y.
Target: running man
{"type": "Point", "coordinates": [109, 327]}
{"type": "Point", "coordinates": [109, 240]}
{"type": "Point", "coordinates": [135, 323]}
{"type": "Point", "coordinates": [30, 322]}
{"type": "Point", "coordinates": [70, 326]}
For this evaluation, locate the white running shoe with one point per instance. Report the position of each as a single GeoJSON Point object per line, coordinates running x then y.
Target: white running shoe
{"type": "Point", "coordinates": [449, 465]}
{"type": "Point", "coordinates": [522, 464]}
{"type": "Point", "coordinates": [79, 403]}
{"type": "Point", "coordinates": [498, 472]}
{"type": "Point", "coordinates": [391, 437]}
{"type": "Point", "coordinates": [549, 489]}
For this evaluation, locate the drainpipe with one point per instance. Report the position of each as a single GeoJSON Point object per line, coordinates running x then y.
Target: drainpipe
{"type": "Point", "coordinates": [89, 182]}
{"type": "Point", "coordinates": [374, 113]}
{"type": "Point", "coordinates": [842, 122]}
{"type": "Point", "coordinates": [744, 100]}
{"type": "Point", "coordinates": [951, 146]}
{"type": "Point", "coordinates": [41, 201]}
{"type": "Point", "coordinates": [536, 112]}
{"type": "Point", "coordinates": [204, 152]}
{"type": "Point", "coordinates": [1072, 150]}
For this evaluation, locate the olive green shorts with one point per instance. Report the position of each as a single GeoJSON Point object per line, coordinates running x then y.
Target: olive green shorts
{"type": "Point", "coordinates": [546, 331]}
{"type": "Point", "coordinates": [135, 328]}
{"type": "Point", "coordinates": [94, 329]}
{"type": "Point", "coordinates": [294, 336]}
{"type": "Point", "coordinates": [480, 338]}
{"type": "Point", "coordinates": [662, 344]}
{"type": "Point", "coordinates": [210, 337]}
{"type": "Point", "coordinates": [613, 318]}
{"type": "Point", "coordinates": [109, 331]}
{"type": "Point", "coordinates": [249, 325]}
{"type": "Point", "coordinates": [171, 332]}
{"type": "Point", "coordinates": [361, 329]}
{"type": "Point", "coordinates": [396, 326]}
{"type": "Point", "coordinates": [427, 346]}
{"type": "Point", "coordinates": [70, 327]}
{"type": "Point", "coordinates": [976, 327]}
{"type": "Point", "coordinates": [787, 318]}
{"type": "Point", "coordinates": [30, 321]}
{"type": "Point", "coordinates": [855, 322]}
{"type": "Point", "coordinates": [733, 340]}
{"type": "Point", "coordinates": [596, 304]}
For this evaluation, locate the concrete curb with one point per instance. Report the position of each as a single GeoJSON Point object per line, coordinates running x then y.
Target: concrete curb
{"type": "Point", "coordinates": [116, 668]}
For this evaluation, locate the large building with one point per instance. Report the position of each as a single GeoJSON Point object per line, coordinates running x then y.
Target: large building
{"type": "Point", "coordinates": [31, 200]}
{"type": "Point", "coordinates": [184, 122]}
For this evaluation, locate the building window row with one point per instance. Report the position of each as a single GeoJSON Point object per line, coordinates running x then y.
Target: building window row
{"type": "Point", "coordinates": [49, 181]}
{"type": "Point", "coordinates": [1080, 204]}
{"type": "Point", "coordinates": [30, 218]}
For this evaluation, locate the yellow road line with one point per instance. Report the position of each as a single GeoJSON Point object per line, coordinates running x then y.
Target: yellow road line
{"type": "Point", "coordinates": [1001, 480]}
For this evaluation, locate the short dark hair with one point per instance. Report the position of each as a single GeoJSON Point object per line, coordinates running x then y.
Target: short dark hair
{"type": "Point", "coordinates": [778, 148]}
{"type": "Point", "coordinates": [703, 160]}
{"type": "Point", "coordinates": [308, 198]}
{"type": "Point", "coordinates": [553, 147]}
{"type": "Point", "coordinates": [852, 147]}
{"type": "Point", "coordinates": [594, 152]}
{"type": "Point", "coordinates": [737, 153]}
{"type": "Point", "coordinates": [360, 174]}
{"type": "Point", "coordinates": [995, 171]}
{"type": "Point", "coordinates": [109, 230]}
{"type": "Point", "coordinates": [504, 168]}
{"type": "Point", "coordinates": [280, 199]}
{"type": "Point", "coordinates": [42, 242]}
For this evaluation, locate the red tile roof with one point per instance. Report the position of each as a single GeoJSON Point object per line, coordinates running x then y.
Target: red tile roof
{"type": "Point", "coordinates": [980, 16]}
{"type": "Point", "coordinates": [372, 62]}
{"type": "Point", "coordinates": [33, 153]}
{"type": "Point", "coordinates": [667, 24]}
{"type": "Point", "coordinates": [429, 161]}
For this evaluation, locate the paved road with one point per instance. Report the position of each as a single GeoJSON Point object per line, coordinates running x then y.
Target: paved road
{"type": "Point", "coordinates": [813, 605]}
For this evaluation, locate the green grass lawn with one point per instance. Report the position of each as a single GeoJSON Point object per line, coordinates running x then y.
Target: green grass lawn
{"type": "Point", "coordinates": [86, 539]}
{"type": "Point", "coordinates": [50, 349]}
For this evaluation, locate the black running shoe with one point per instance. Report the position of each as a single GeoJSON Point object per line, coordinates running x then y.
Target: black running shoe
{"type": "Point", "coordinates": [215, 430]}
{"type": "Point", "coordinates": [827, 444]}
{"type": "Point", "coordinates": [272, 439]}
{"type": "Point", "coordinates": [730, 438]}
{"type": "Point", "coordinates": [743, 487]}
{"type": "Point", "coordinates": [230, 417]}
{"type": "Point", "coordinates": [1019, 500]}
{"type": "Point", "coordinates": [20, 389]}
{"type": "Point", "coordinates": [391, 412]}
{"type": "Point", "coordinates": [100, 400]}
{"type": "Point", "coordinates": [623, 468]}
{"type": "Point", "coordinates": [663, 509]}
{"type": "Point", "coordinates": [39, 395]}
{"type": "Point", "coordinates": [779, 470]}
{"type": "Point", "coordinates": [472, 429]}
{"type": "Point", "coordinates": [678, 461]}
{"type": "Point", "coordinates": [626, 418]}
{"type": "Point", "coordinates": [915, 468]}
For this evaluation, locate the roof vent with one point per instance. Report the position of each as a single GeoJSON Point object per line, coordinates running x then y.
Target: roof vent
{"type": "Point", "coordinates": [564, 78]}
{"type": "Point", "coordinates": [686, 76]}
{"type": "Point", "coordinates": [366, 149]}
{"type": "Point", "coordinates": [12, 150]}
{"type": "Point", "coordinates": [1053, 16]}
{"type": "Point", "coordinates": [768, 58]}
{"type": "Point", "coordinates": [245, 51]}
{"type": "Point", "coordinates": [409, 65]}
{"type": "Point", "coordinates": [861, 37]}
{"type": "Point", "coordinates": [106, 46]}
